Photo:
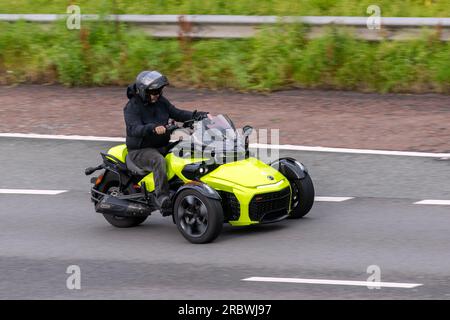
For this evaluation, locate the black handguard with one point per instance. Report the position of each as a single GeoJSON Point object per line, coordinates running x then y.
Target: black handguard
{"type": "Point", "coordinates": [199, 115]}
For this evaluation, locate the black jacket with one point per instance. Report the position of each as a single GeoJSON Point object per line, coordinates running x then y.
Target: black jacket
{"type": "Point", "coordinates": [141, 118]}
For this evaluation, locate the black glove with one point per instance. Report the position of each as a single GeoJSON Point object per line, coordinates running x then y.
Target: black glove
{"type": "Point", "coordinates": [199, 115]}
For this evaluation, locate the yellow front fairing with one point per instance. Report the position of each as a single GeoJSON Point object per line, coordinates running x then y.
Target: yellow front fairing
{"type": "Point", "coordinates": [248, 173]}
{"type": "Point", "coordinates": [246, 179]}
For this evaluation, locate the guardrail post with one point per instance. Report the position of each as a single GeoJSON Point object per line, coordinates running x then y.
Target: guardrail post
{"type": "Point", "coordinates": [184, 38]}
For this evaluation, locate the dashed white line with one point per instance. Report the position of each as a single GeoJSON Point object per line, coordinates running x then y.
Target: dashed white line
{"type": "Point", "coordinates": [332, 199]}
{"type": "Point", "coordinates": [434, 202]}
{"type": "Point", "coordinates": [336, 282]}
{"type": "Point", "coordinates": [317, 199]}
{"type": "Point", "coordinates": [30, 191]}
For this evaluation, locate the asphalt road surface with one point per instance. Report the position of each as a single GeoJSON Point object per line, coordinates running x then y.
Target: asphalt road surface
{"type": "Point", "coordinates": [42, 235]}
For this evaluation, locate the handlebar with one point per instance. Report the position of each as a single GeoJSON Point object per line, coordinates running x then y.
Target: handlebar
{"type": "Point", "coordinates": [196, 116]}
{"type": "Point", "coordinates": [171, 128]}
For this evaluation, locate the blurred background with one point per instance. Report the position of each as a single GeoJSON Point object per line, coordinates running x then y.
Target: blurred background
{"type": "Point", "coordinates": [278, 56]}
{"type": "Point", "coordinates": [320, 81]}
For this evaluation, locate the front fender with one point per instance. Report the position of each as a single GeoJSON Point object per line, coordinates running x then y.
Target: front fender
{"type": "Point", "coordinates": [203, 188]}
{"type": "Point", "coordinates": [290, 168]}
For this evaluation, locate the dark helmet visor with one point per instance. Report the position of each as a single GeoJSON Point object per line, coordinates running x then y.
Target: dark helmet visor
{"type": "Point", "coordinates": [154, 92]}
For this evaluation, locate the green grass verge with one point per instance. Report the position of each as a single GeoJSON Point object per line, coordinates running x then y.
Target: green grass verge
{"type": "Point", "coordinates": [400, 8]}
{"type": "Point", "coordinates": [279, 57]}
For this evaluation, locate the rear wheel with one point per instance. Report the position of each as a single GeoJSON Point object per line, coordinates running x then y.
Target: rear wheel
{"type": "Point", "coordinates": [198, 218]}
{"type": "Point", "coordinates": [112, 188]}
{"type": "Point", "coordinates": [302, 197]}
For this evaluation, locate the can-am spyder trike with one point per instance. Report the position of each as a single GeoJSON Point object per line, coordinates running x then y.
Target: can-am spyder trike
{"type": "Point", "coordinates": [213, 180]}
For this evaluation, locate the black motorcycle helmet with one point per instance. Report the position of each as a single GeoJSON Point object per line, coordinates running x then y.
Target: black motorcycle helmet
{"type": "Point", "coordinates": [148, 82]}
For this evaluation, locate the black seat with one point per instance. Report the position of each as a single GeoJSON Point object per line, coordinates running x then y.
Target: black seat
{"type": "Point", "coordinates": [135, 170]}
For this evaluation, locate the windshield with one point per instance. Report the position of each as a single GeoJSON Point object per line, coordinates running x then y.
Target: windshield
{"type": "Point", "coordinates": [218, 127]}
{"type": "Point", "coordinates": [215, 136]}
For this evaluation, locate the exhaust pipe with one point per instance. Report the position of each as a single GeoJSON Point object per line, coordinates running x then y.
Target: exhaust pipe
{"type": "Point", "coordinates": [122, 208]}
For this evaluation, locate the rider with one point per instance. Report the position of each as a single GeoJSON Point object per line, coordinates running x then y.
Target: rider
{"type": "Point", "coordinates": [146, 115]}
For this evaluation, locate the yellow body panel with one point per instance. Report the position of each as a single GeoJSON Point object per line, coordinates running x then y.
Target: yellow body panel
{"type": "Point", "coordinates": [250, 173]}
{"type": "Point", "coordinates": [244, 178]}
{"type": "Point", "coordinates": [120, 152]}
{"type": "Point", "coordinates": [174, 165]}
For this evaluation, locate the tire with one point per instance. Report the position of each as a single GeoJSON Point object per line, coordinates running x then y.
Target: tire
{"type": "Point", "coordinates": [198, 218]}
{"type": "Point", "coordinates": [119, 222]}
{"type": "Point", "coordinates": [302, 197]}
{"type": "Point", "coordinates": [124, 222]}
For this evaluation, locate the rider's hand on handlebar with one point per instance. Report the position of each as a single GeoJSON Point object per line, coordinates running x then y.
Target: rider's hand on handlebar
{"type": "Point", "coordinates": [160, 130]}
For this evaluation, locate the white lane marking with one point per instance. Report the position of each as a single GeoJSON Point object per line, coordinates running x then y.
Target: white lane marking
{"type": "Point", "coordinates": [434, 202]}
{"type": "Point", "coordinates": [29, 191]}
{"type": "Point", "coordinates": [253, 145]}
{"type": "Point", "coordinates": [60, 137]}
{"type": "Point", "coordinates": [355, 151]}
{"type": "Point", "coordinates": [332, 199]}
{"type": "Point", "coordinates": [336, 282]}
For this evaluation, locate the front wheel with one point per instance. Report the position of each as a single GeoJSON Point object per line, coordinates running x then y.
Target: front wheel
{"type": "Point", "coordinates": [302, 197]}
{"type": "Point", "coordinates": [198, 218]}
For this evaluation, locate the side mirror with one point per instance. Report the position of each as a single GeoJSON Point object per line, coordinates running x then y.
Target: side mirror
{"type": "Point", "coordinates": [247, 130]}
